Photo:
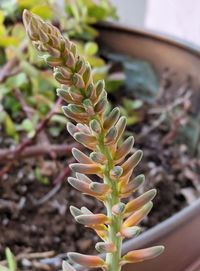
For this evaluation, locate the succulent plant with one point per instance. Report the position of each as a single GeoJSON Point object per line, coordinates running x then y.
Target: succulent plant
{"type": "Point", "coordinates": [103, 135]}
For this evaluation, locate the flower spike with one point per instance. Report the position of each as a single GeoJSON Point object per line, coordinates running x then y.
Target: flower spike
{"type": "Point", "coordinates": [102, 134]}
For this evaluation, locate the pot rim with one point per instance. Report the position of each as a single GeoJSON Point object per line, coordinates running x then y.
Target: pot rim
{"type": "Point", "coordinates": [159, 36]}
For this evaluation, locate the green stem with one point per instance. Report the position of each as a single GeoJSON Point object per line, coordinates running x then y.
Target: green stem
{"type": "Point", "coordinates": [112, 259]}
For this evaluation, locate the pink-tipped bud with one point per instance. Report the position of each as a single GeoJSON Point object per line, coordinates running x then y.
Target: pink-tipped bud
{"type": "Point", "coordinates": [83, 178]}
{"type": "Point", "coordinates": [118, 208]}
{"type": "Point", "coordinates": [105, 247]}
{"type": "Point", "coordinates": [132, 162]}
{"type": "Point", "coordinates": [86, 140]}
{"type": "Point", "coordinates": [120, 126]}
{"type": "Point", "coordinates": [76, 97]}
{"type": "Point", "coordinates": [112, 118]}
{"type": "Point", "coordinates": [95, 126]}
{"type": "Point", "coordinates": [124, 149]}
{"type": "Point", "coordinates": [129, 232]}
{"type": "Point", "coordinates": [83, 128]}
{"type": "Point", "coordinates": [136, 217]}
{"type": "Point", "coordinates": [75, 211]}
{"type": "Point", "coordinates": [81, 157]}
{"type": "Point", "coordinates": [64, 94]}
{"type": "Point", "coordinates": [80, 117]}
{"type": "Point", "coordinates": [86, 260]}
{"type": "Point", "coordinates": [53, 61]}
{"type": "Point", "coordinates": [85, 211]}
{"type": "Point", "coordinates": [87, 76]}
{"type": "Point", "coordinates": [101, 105]}
{"type": "Point", "coordinates": [99, 188]}
{"type": "Point", "coordinates": [88, 107]}
{"type": "Point", "coordinates": [98, 157]}
{"type": "Point", "coordinates": [70, 62]}
{"type": "Point", "coordinates": [85, 168]}
{"type": "Point", "coordinates": [79, 185]}
{"type": "Point", "coordinates": [79, 65]}
{"type": "Point", "coordinates": [132, 185]}
{"type": "Point", "coordinates": [93, 219]}
{"type": "Point", "coordinates": [100, 85]}
{"type": "Point", "coordinates": [116, 172]}
{"type": "Point", "coordinates": [78, 81]}
{"type": "Point", "coordinates": [111, 136]}
{"type": "Point", "coordinates": [137, 203]}
{"type": "Point", "coordinates": [72, 129]}
{"type": "Point", "coordinates": [140, 255]}
{"type": "Point", "coordinates": [60, 78]}
{"type": "Point", "coordinates": [67, 267]}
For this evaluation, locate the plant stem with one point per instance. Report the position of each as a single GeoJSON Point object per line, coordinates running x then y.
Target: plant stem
{"type": "Point", "coordinates": [112, 259]}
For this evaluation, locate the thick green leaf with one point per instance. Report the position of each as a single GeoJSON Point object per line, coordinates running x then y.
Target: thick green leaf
{"type": "Point", "coordinates": [91, 48]}
{"type": "Point", "coordinates": [141, 79]}
{"type": "Point", "coordinates": [43, 11]}
{"type": "Point", "coordinates": [17, 81]}
{"type": "Point", "coordinates": [12, 264]}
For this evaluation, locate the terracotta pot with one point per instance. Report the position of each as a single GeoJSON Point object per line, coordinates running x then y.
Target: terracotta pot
{"type": "Point", "coordinates": [180, 233]}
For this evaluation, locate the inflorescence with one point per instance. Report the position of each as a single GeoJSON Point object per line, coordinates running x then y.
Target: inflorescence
{"type": "Point", "coordinates": [102, 134]}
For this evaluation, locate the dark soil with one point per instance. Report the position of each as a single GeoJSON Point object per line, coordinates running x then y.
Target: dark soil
{"type": "Point", "coordinates": [28, 227]}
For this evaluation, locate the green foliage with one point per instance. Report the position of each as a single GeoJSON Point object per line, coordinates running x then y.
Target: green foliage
{"type": "Point", "coordinates": [140, 78]}
{"type": "Point", "coordinates": [131, 109]}
{"type": "Point", "coordinates": [11, 261]}
{"type": "Point", "coordinates": [30, 75]}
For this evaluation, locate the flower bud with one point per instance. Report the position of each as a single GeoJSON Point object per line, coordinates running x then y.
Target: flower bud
{"type": "Point", "coordinates": [137, 203]}
{"type": "Point", "coordinates": [75, 211]}
{"type": "Point", "coordinates": [86, 260]}
{"type": "Point", "coordinates": [99, 188]}
{"type": "Point", "coordinates": [111, 136]}
{"type": "Point", "coordinates": [53, 61]}
{"type": "Point", "coordinates": [112, 118]}
{"type": "Point", "coordinates": [88, 107]}
{"type": "Point", "coordinates": [116, 172]}
{"type": "Point", "coordinates": [101, 105]}
{"type": "Point", "coordinates": [129, 232]}
{"type": "Point", "coordinates": [93, 219]}
{"type": "Point", "coordinates": [81, 157]}
{"type": "Point", "coordinates": [87, 140]}
{"type": "Point", "coordinates": [124, 149]}
{"type": "Point", "coordinates": [85, 168]}
{"type": "Point", "coordinates": [131, 162]}
{"type": "Point", "coordinates": [105, 247]}
{"type": "Point", "coordinates": [95, 126]}
{"type": "Point", "coordinates": [79, 185]}
{"type": "Point", "coordinates": [142, 254]}
{"type": "Point", "coordinates": [64, 94]}
{"type": "Point", "coordinates": [60, 78]}
{"type": "Point", "coordinates": [98, 157]}
{"type": "Point", "coordinates": [100, 87]}
{"type": "Point", "coordinates": [70, 62]}
{"type": "Point", "coordinates": [78, 81]}
{"type": "Point", "coordinates": [79, 65]}
{"type": "Point", "coordinates": [87, 75]}
{"type": "Point", "coordinates": [137, 216]}
{"type": "Point", "coordinates": [118, 208]}
{"type": "Point", "coordinates": [132, 185]}
{"type": "Point", "coordinates": [120, 126]}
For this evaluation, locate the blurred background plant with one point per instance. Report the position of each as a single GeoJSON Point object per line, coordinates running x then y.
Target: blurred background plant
{"type": "Point", "coordinates": [10, 261]}
{"type": "Point", "coordinates": [28, 111]}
